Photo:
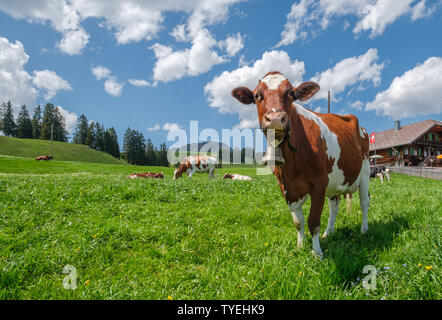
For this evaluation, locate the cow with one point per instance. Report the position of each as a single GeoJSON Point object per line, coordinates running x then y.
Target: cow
{"type": "Point", "coordinates": [146, 175]}
{"type": "Point", "coordinates": [387, 173]}
{"type": "Point", "coordinates": [326, 155]}
{"type": "Point", "coordinates": [235, 176]}
{"type": "Point", "coordinates": [193, 164]}
{"type": "Point", "coordinates": [45, 158]}
{"type": "Point", "coordinates": [379, 172]}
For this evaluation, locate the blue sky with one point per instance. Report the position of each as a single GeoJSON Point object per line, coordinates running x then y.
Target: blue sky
{"type": "Point", "coordinates": [382, 59]}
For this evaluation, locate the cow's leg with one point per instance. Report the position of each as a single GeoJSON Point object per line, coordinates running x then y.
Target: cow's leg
{"type": "Point", "coordinates": [298, 218]}
{"type": "Point", "coordinates": [314, 220]}
{"type": "Point", "coordinates": [191, 174]}
{"type": "Point", "coordinates": [333, 203]}
{"type": "Point", "coordinates": [364, 199]}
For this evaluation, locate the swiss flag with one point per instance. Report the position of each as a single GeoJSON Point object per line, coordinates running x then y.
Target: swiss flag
{"type": "Point", "coordinates": [372, 137]}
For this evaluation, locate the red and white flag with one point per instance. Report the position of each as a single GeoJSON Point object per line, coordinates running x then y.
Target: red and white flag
{"type": "Point", "coordinates": [372, 137]}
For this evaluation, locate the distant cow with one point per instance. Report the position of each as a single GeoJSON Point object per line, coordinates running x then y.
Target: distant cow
{"type": "Point", "coordinates": [146, 175]}
{"type": "Point", "coordinates": [380, 172]}
{"type": "Point", "coordinates": [325, 154]}
{"type": "Point", "coordinates": [194, 164]}
{"type": "Point", "coordinates": [234, 176]}
{"type": "Point", "coordinates": [45, 158]}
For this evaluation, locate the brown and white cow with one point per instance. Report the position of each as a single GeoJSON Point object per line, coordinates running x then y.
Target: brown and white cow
{"type": "Point", "coordinates": [234, 176]}
{"type": "Point", "coordinates": [45, 158]}
{"type": "Point", "coordinates": [326, 155]}
{"type": "Point", "coordinates": [193, 164]}
{"type": "Point", "coordinates": [146, 175]}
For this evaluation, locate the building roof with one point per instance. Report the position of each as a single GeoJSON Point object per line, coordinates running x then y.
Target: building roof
{"type": "Point", "coordinates": [405, 135]}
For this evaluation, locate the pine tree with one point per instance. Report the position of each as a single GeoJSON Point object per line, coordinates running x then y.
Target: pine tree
{"type": "Point", "coordinates": [9, 126]}
{"type": "Point", "coordinates": [24, 124]}
{"type": "Point", "coordinates": [2, 114]}
{"type": "Point", "coordinates": [151, 157]}
{"type": "Point", "coordinates": [36, 123]}
{"type": "Point", "coordinates": [91, 138]}
{"type": "Point", "coordinates": [134, 145]}
{"type": "Point", "coordinates": [81, 130]}
{"type": "Point", "coordinates": [162, 156]}
{"type": "Point", "coordinates": [52, 115]}
{"type": "Point", "coordinates": [99, 137]}
{"type": "Point", "coordinates": [111, 143]}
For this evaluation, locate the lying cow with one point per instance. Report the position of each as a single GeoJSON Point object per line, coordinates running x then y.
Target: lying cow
{"type": "Point", "coordinates": [234, 176]}
{"type": "Point", "coordinates": [146, 175]}
{"type": "Point", "coordinates": [45, 158]}
{"type": "Point", "coordinates": [193, 164]}
{"type": "Point", "coordinates": [325, 155]}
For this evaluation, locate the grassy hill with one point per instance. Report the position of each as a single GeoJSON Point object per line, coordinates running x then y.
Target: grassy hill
{"type": "Point", "coordinates": [31, 148]}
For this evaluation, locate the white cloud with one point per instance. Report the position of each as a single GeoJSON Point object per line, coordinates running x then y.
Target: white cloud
{"type": "Point", "coordinates": [179, 33]}
{"type": "Point", "coordinates": [61, 15]}
{"type": "Point", "coordinates": [218, 90]}
{"type": "Point", "coordinates": [308, 17]}
{"type": "Point", "coordinates": [17, 85]}
{"type": "Point", "coordinates": [139, 83]}
{"type": "Point", "coordinates": [200, 58]}
{"type": "Point", "coordinates": [417, 92]}
{"type": "Point", "coordinates": [100, 72]}
{"type": "Point", "coordinates": [49, 82]}
{"type": "Point", "coordinates": [154, 128]}
{"type": "Point", "coordinates": [232, 44]}
{"type": "Point", "coordinates": [357, 105]}
{"type": "Point", "coordinates": [15, 82]}
{"type": "Point", "coordinates": [113, 87]}
{"type": "Point", "coordinates": [171, 126]}
{"type": "Point", "coordinates": [347, 72]}
{"type": "Point", "coordinates": [70, 119]}
{"type": "Point", "coordinates": [74, 41]}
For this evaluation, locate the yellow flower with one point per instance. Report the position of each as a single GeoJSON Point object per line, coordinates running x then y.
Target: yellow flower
{"type": "Point", "coordinates": [267, 244]}
{"type": "Point", "coordinates": [300, 273]}
{"type": "Point", "coordinates": [429, 267]}
{"type": "Point", "coordinates": [87, 282]}
{"type": "Point", "coordinates": [419, 265]}
{"type": "Point", "coordinates": [121, 216]}
{"type": "Point", "coordinates": [254, 293]}
{"type": "Point", "coordinates": [169, 297]}
{"type": "Point", "coordinates": [95, 235]}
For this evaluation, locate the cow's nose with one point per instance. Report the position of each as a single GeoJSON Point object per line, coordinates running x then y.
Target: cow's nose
{"type": "Point", "coordinates": [276, 120]}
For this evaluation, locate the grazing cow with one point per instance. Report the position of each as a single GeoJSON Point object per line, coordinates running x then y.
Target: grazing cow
{"type": "Point", "coordinates": [45, 158]}
{"type": "Point", "coordinates": [146, 175]}
{"type": "Point", "coordinates": [387, 173]}
{"type": "Point", "coordinates": [235, 176]}
{"type": "Point", "coordinates": [378, 172]}
{"type": "Point", "coordinates": [325, 155]}
{"type": "Point", "coordinates": [194, 164]}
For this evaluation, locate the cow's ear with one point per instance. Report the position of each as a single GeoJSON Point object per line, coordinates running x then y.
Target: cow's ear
{"type": "Point", "coordinates": [243, 95]}
{"type": "Point", "coordinates": [305, 90]}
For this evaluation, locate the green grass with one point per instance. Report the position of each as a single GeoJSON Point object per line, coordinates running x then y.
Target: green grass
{"type": "Point", "coordinates": [31, 148]}
{"type": "Point", "coordinates": [201, 239]}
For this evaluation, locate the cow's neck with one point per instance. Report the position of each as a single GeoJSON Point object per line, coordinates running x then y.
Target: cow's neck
{"type": "Point", "coordinates": [294, 161]}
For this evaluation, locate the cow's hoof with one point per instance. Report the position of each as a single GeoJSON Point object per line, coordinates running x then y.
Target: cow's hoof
{"type": "Point", "coordinates": [364, 229]}
{"type": "Point", "coordinates": [326, 234]}
{"type": "Point", "coordinates": [319, 254]}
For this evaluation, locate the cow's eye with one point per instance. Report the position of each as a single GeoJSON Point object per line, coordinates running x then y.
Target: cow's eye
{"type": "Point", "coordinates": [257, 96]}
{"type": "Point", "coordinates": [292, 94]}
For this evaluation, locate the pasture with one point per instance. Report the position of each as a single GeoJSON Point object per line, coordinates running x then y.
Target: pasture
{"type": "Point", "coordinates": [201, 239]}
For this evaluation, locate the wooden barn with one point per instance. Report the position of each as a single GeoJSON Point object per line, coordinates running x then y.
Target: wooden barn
{"type": "Point", "coordinates": [413, 144]}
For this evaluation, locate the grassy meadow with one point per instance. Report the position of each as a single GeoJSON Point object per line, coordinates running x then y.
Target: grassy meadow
{"type": "Point", "coordinates": [201, 239]}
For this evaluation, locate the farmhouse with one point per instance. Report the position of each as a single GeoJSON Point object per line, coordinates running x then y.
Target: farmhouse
{"type": "Point", "coordinates": [409, 145]}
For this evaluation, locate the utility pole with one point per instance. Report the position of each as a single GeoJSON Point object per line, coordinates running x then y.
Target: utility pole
{"type": "Point", "coordinates": [52, 135]}
{"type": "Point", "coordinates": [328, 101]}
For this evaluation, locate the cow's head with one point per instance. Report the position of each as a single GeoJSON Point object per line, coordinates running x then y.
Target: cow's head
{"type": "Point", "coordinates": [181, 169]}
{"type": "Point", "coordinates": [274, 96]}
